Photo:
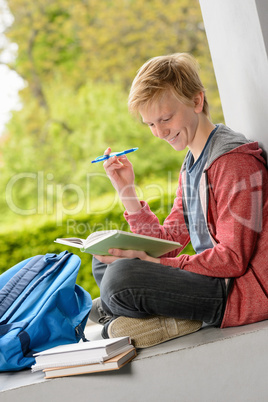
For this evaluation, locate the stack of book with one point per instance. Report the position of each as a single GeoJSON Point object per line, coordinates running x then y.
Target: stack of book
{"type": "Point", "coordinates": [85, 357]}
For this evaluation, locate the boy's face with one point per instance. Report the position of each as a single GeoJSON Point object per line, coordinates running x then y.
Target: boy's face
{"type": "Point", "coordinates": [171, 120]}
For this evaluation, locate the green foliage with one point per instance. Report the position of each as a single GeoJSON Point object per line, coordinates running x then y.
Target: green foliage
{"type": "Point", "coordinates": [106, 40]}
{"type": "Point", "coordinates": [102, 41]}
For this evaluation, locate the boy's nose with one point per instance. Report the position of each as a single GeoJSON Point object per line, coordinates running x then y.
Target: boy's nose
{"type": "Point", "coordinates": [162, 132]}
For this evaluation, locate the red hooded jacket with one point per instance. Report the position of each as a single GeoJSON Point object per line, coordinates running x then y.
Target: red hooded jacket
{"type": "Point", "coordinates": [234, 197]}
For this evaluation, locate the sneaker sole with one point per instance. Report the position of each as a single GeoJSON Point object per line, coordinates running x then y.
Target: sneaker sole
{"type": "Point", "coordinates": [146, 332]}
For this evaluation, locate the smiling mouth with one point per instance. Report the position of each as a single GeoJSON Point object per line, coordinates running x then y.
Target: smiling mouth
{"type": "Point", "coordinates": [173, 138]}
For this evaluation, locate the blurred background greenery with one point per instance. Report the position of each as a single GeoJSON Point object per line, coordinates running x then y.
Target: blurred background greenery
{"type": "Point", "coordinates": [78, 59]}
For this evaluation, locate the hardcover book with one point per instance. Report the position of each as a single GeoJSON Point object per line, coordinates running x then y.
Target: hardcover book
{"type": "Point", "coordinates": [100, 242]}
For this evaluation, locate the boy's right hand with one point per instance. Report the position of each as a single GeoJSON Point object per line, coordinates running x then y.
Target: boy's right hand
{"type": "Point", "coordinates": [120, 171]}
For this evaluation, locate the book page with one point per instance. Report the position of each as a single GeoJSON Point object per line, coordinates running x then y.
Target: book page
{"type": "Point", "coordinates": [74, 240]}
{"type": "Point", "coordinates": [71, 241]}
{"type": "Point", "coordinates": [98, 235]}
{"type": "Point", "coordinates": [73, 347]}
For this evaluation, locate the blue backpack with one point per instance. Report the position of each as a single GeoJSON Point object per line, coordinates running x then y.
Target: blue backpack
{"type": "Point", "coordinates": [40, 307]}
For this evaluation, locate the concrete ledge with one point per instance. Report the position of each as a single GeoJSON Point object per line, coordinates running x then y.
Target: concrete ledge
{"type": "Point", "coordinates": [211, 365]}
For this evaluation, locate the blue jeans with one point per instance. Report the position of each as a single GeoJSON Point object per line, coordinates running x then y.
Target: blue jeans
{"type": "Point", "coordinates": [137, 288]}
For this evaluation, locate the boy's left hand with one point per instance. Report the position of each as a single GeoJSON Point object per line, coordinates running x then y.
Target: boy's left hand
{"type": "Point", "coordinates": [117, 253]}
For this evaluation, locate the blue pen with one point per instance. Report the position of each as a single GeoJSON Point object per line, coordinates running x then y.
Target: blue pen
{"type": "Point", "coordinates": [104, 157]}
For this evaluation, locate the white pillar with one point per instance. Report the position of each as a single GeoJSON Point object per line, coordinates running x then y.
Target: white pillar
{"type": "Point", "coordinates": [237, 32]}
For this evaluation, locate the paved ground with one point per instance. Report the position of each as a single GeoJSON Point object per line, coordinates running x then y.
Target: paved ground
{"type": "Point", "coordinates": [211, 365]}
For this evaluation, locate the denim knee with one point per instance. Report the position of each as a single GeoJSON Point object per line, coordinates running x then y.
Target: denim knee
{"type": "Point", "coordinates": [98, 270]}
{"type": "Point", "coordinates": [117, 277]}
{"type": "Point", "coordinates": [114, 276]}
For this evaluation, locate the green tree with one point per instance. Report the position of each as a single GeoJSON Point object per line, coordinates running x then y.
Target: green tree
{"type": "Point", "coordinates": [104, 40]}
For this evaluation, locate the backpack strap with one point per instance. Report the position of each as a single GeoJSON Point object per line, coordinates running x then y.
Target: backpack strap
{"type": "Point", "coordinates": [18, 283]}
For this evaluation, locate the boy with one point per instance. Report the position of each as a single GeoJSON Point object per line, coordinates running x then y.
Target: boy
{"type": "Point", "coordinates": [221, 207]}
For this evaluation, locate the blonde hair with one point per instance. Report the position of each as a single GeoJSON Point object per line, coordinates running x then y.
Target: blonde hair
{"type": "Point", "coordinates": [177, 72]}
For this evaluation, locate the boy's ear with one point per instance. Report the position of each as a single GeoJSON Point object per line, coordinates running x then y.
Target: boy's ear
{"type": "Point", "coordinates": [199, 102]}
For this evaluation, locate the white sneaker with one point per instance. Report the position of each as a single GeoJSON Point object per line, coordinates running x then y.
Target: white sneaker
{"type": "Point", "coordinates": [97, 314]}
